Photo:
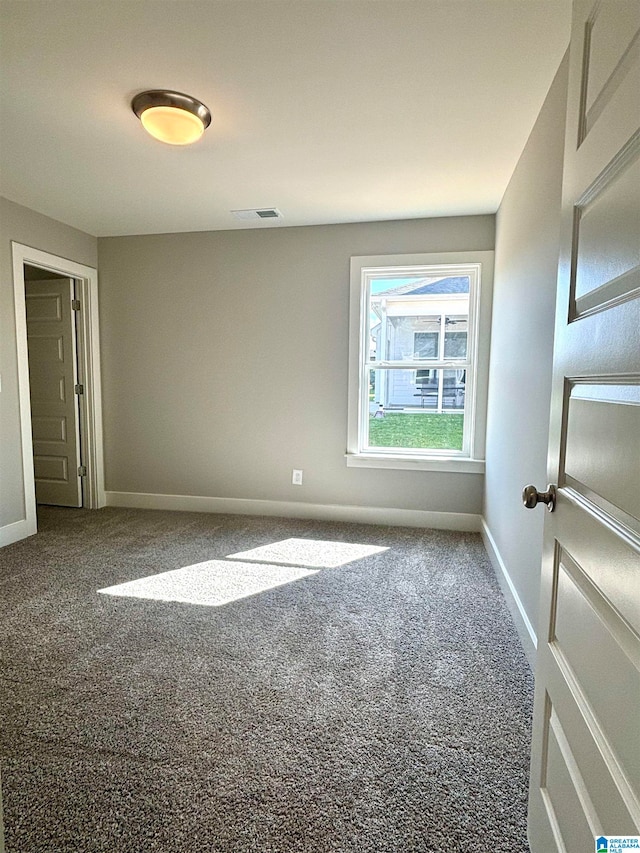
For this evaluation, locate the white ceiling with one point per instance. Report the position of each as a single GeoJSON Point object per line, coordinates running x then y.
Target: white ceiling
{"type": "Point", "coordinates": [330, 110]}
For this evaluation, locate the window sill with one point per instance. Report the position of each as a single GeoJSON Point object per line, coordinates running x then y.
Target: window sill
{"type": "Point", "coordinates": [452, 464]}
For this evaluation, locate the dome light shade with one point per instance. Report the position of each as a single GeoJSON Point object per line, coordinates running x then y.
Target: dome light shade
{"type": "Point", "coordinates": [171, 116]}
{"type": "Point", "coordinates": [172, 125]}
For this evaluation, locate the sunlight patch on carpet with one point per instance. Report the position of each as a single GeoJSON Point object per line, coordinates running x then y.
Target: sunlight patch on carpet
{"type": "Point", "coordinates": [210, 584]}
{"type": "Point", "coordinates": [315, 553]}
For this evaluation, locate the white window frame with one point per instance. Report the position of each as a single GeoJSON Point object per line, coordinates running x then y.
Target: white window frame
{"type": "Point", "coordinates": [479, 265]}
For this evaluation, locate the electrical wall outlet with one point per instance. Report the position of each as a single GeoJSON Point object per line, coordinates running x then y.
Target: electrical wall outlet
{"type": "Point", "coordinates": [296, 477]}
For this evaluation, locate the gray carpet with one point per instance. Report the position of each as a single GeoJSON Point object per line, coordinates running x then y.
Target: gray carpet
{"type": "Point", "coordinates": [380, 706]}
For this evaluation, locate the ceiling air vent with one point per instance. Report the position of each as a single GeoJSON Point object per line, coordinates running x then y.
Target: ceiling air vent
{"type": "Point", "coordinates": [258, 213]}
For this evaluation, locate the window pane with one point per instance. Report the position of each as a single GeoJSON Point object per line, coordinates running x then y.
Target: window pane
{"type": "Point", "coordinates": [455, 336]}
{"type": "Point", "coordinates": [417, 389]}
{"type": "Point", "coordinates": [419, 285]}
{"type": "Point", "coordinates": [405, 316]}
{"type": "Point", "coordinates": [453, 388]}
{"type": "Point", "coordinates": [413, 409]}
{"type": "Point", "coordinates": [404, 337]}
{"type": "Point", "coordinates": [425, 344]}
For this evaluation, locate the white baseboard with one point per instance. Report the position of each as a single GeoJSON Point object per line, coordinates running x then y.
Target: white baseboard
{"type": "Point", "coordinates": [11, 533]}
{"type": "Point", "coordinates": [524, 627]}
{"type": "Point", "coordinates": [295, 509]}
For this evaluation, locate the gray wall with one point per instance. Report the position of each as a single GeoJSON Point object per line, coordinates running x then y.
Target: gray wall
{"type": "Point", "coordinates": [526, 259]}
{"type": "Point", "coordinates": [225, 363]}
{"type": "Point", "coordinates": [24, 226]}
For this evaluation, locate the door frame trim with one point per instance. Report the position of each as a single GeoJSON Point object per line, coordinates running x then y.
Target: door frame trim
{"type": "Point", "coordinates": [88, 345]}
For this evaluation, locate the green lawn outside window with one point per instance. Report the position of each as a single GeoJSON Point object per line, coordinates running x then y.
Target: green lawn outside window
{"type": "Point", "coordinates": [417, 431]}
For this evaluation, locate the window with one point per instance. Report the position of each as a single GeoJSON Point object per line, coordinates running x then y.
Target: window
{"type": "Point", "coordinates": [418, 363]}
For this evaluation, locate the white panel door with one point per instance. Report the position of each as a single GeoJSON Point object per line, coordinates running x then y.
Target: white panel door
{"type": "Point", "coordinates": [51, 339]}
{"type": "Point", "coordinates": [585, 772]}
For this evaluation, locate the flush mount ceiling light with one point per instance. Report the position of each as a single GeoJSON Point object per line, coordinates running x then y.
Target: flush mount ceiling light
{"type": "Point", "coordinates": [171, 116]}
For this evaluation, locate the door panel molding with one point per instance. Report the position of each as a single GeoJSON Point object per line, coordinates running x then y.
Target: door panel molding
{"type": "Point", "coordinates": [572, 800]}
{"type": "Point", "coordinates": [592, 215]}
{"type": "Point", "coordinates": [610, 791]}
{"type": "Point", "coordinates": [606, 61]}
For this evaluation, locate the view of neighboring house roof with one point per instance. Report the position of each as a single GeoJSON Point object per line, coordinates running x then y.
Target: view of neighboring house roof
{"type": "Point", "coordinates": [426, 286]}
{"type": "Point", "coordinates": [452, 284]}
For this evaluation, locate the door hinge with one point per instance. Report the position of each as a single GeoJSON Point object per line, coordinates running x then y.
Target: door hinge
{"type": "Point", "coordinates": [82, 471]}
{"type": "Point", "coordinates": [79, 389]}
{"type": "Point", "coordinates": [75, 304]}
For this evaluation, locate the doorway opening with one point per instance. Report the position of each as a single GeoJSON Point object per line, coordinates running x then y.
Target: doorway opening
{"type": "Point", "coordinates": [67, 443]}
